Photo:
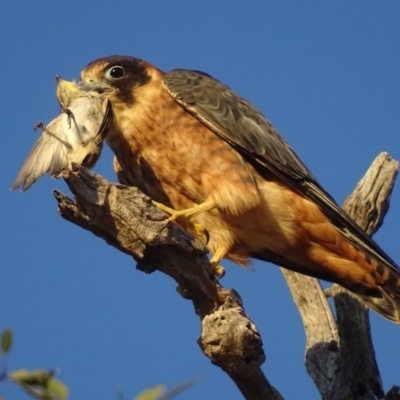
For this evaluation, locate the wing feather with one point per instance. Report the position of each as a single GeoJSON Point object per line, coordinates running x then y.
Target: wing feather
{"type": "Point", "coordinates": [48, 155]}
{"type": "Point", "coordinates": [243, 126]}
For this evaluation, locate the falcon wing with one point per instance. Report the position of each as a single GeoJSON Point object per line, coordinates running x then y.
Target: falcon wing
{"type": "Point", "coordinates": [244, 127]}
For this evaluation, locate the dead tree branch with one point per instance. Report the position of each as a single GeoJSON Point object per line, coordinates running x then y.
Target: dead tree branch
{"type": "Point", "coordinates": [339, 355]}
{"type": "Point", "coordinates": [126, 219]}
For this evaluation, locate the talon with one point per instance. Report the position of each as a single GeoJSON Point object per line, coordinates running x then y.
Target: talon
{"type": "Point", "coordinates": [197, 229]}
{"type": "Point", "coordinates": [218, 270]}
{"type": "Point", "coordinates": [200, 231]}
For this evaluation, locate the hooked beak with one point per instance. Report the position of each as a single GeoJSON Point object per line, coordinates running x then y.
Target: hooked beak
{"type": "Point", "coordinates": [92, 84]}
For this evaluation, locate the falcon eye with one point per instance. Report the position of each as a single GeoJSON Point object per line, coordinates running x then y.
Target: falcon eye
{"type": "Point", "coordinates": [115, 72]}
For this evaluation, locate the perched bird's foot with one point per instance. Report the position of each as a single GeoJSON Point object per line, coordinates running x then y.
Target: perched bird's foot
{"type": "Point", "coordinates": [164, 208]}
{"type": "Point", "coordinates": [197, 229]}
{"type": "Point", "coordinates": [218, 270]}
{"type": "Point", "coordinates": [188, 213]}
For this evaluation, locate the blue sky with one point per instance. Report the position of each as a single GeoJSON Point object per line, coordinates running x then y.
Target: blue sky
{"type": "Point", "coordinates": [327, 76]}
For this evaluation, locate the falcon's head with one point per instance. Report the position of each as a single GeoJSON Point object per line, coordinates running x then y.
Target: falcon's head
{"type": "Point", "coordinates": [121, 76]}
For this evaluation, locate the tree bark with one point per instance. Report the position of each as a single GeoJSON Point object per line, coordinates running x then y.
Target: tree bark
{"type": "Point", "coordinates": [126, 219]}
{"type": "Point", "coordinates": [340, 356]}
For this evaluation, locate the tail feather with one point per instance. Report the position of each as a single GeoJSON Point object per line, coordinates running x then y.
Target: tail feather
{"type": "Point", "coordinates": [383, 299]}
{"type": "Point", "coordinates": [387, 300]}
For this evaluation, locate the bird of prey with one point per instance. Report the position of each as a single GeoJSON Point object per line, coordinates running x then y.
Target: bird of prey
{"type": "Point", "coordinates": [76, 135]}
{"type": "Point", "coordinates": [209, 156]}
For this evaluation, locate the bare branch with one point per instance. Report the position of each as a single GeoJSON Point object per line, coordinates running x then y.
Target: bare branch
{"type": "Point", "coordinates": [126, 219]}
{"type": "Point", "coordinates": [340, 361]}
{"type": "Point", "coordinates": [322, 352]}
{"type": "Point", "coordinates": [367, 205]}
{"type": "Point", "coordinates": [369, 202]}
{"type": "Point", "coordinates": [345, 369]}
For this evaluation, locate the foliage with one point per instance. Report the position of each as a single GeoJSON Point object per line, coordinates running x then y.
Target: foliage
{"type": "Point", "coordinates": [42, 384]}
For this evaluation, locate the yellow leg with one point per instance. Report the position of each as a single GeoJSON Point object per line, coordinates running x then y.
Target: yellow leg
{"type": "Point", "coordinates": [199, 229]}
{"type": "Point", "coordinates": [189, 212]}
{"type": "Point", "coordinates": [219, 271]}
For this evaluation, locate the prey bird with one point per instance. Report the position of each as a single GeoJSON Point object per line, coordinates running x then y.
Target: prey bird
{"type": "Point", "coordinates": [76, 135]}
{"type": "Point", "coordinates": [209, 157]}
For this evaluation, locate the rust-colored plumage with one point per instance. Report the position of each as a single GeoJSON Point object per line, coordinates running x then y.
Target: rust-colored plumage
{"type": "Point", "coordinates": [194, 145]}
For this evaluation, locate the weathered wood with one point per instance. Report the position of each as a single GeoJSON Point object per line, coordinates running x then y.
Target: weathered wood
{"type": "Point", "coordinates": [339, 354]}
{"type": "Point", "coordinates": [341, 360]}
{"type": "Point", "coordinates": [367, 205]}
{"type": "Point", "coordinates": [126, 219]}
{"type": "Point", "coordinates": [322, 339]}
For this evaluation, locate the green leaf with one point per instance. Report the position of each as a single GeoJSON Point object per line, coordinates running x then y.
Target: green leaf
{"type": "Point", "coordinates": [57, 389]}
{"type": "Point", "coordinates": [40, 384]}
{"type": "Point", "coordinates": [6, 340]}
{"type": "Point", "coordinates": [177, 389]}
{"type": "Point", "coordinates": [151, 394]}
{"type": "Point", "coordinates": [159, 392]}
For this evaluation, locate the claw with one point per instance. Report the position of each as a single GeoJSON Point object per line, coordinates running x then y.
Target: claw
{"type": "Point", "coordinates": [200, 231]}
{"type": "Point", "coordinates": [218, 270]}
{"type": "Point", "coordinates": [188, 214]}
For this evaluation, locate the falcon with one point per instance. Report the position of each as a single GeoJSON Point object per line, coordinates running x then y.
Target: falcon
{"type": "Point", "coordinates": [211, 159]}
{"type": "Point", "coordinates": [76, 135]}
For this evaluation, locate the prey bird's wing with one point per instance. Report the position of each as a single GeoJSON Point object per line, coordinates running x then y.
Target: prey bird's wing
{"type": "Point", "coordinates": [76, 136]}
{"type": "Point", "coordinates": [243, 126]}
{"type": "Point", "coordinates": [49, 155]}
